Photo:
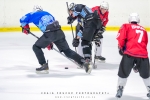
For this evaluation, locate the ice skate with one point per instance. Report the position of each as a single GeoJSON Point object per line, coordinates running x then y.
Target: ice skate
{"type": "Point", "coordinates": [80, 67]}
{"type": "Point", "coordinates": [100, 58]}
{"type": "Point", "coordinates": [87, 66]}
{"type": "Point", "coordinates": [119, 92]}
{"type": "Point", "coordinates": [148, 94]}
{"type": "Point", "coordinates": [44, 69]}
{"type": "Point", "coordinates": [91, 64]}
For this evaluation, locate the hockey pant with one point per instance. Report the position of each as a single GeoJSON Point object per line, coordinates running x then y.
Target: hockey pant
{"type": "Point", "coordinates": [61, 44]}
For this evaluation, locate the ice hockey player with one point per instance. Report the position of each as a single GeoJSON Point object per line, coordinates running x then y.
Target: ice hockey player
{"type": "Point", "coordinates": [52, 33]}
{"type": "Point", "coordinates": [132, 43]}
{"type": "Point", "coordinates": [92, 23]}
{"type": "Point", "coordinates": [103, 14]}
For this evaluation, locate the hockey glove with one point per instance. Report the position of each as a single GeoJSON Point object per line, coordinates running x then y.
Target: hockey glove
{"type": "Point", "coordinates": [75, 42]}
{"type": "Point", "coordinates": [70, 20]}
{"type": "Point", "coordinates": [98, 42]}
{"type": "Point", "coordinates": [101, 30]}
{"type": "Point", "coordinates": [26, 29]}
{"type": "Point", "coordinates": [121, 52]}
{"type": "Point", "coordinates": [50, 46]}
{"type": "Point", "coordinates": [97, 39]}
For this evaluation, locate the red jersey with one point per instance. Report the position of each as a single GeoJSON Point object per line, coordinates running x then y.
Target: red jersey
{"type": "Point", "coordinates": [135, 38]}
{"type": "Point", "coordinates": [104, 17]}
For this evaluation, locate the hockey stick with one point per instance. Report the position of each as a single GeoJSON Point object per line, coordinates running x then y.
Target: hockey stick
{"type": "Point", "coordinates": [94, 66]}
{"type": "Point", "coordinates": [71, 24]}
{"type": "Point", "coordinates": [58, 51]}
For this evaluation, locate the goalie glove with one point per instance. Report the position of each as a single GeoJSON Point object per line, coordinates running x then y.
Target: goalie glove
{"type": "Point", "coordinates": [26, 29]}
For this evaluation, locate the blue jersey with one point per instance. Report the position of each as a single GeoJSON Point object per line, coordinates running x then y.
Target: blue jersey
{"type": "Point", "coordinates": [81, 11]}
{"type": "Point", "coordinates": [40, 18]}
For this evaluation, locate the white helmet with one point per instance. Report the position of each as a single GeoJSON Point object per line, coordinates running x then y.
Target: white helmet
{"type": "Point", "coordinates": [37, 8]}
{"type": "Point", "coordinates": [104, 5]}
{"type": "Point", "coordinates": [71, 6]}
{"type": "Point", "coordinates": [134, 17]}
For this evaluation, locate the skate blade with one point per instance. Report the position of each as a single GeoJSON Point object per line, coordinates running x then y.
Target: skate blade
{"type": "Point", "coordinates": [148, 95]}
{"type": "Point", "coordinates": [101, 61]}
{"type": "Point", "coordinates": [83, 67]}
{"type": "Point", "coordinates": [42, 72]}
{"type": "Point", "coordinates": [79, 68]}
{"type": "Point", "coordinates": [118, 98]}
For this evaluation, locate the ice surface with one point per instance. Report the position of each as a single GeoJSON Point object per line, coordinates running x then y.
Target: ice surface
{"type": "Point", "coordinates": [18, 80]}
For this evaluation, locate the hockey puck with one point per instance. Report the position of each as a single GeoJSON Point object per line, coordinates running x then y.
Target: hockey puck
{"type": "Point", "coordinates": [66, 67]}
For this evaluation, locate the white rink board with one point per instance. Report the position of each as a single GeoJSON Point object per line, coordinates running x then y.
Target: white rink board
{"type": "Point", "coordinates": [13, 10]}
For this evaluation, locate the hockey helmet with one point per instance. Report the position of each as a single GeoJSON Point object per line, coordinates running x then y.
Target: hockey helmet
{"type": "Point", "coordinates": [71, 6]}
{"type": "Point", "coordinates": [104, 5]}
{"type": "Point", "coordinates": [134, 17]}
{"type": "Point", "coordinates": [37, 8]}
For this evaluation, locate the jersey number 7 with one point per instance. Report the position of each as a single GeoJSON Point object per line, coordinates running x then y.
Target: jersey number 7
{"type": "Point", "coordinates": [141, 35]}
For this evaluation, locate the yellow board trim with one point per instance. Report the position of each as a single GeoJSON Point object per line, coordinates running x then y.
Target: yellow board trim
{"type": "Point", "coordinates": [64, 28]}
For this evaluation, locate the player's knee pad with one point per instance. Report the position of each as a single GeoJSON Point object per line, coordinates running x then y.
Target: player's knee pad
{"type": "Point", "coordinates": [122, 74]}
{"type": "Point", "coordinates": [144, 75]}
{"type": "Point", "coordinates": [86, 48]}
{"type": "Point", "coordinates": [84, 42]}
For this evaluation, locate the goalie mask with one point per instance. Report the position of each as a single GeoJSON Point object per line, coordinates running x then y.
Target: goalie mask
{"type": "Point", "coordinates": [134, 17]}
